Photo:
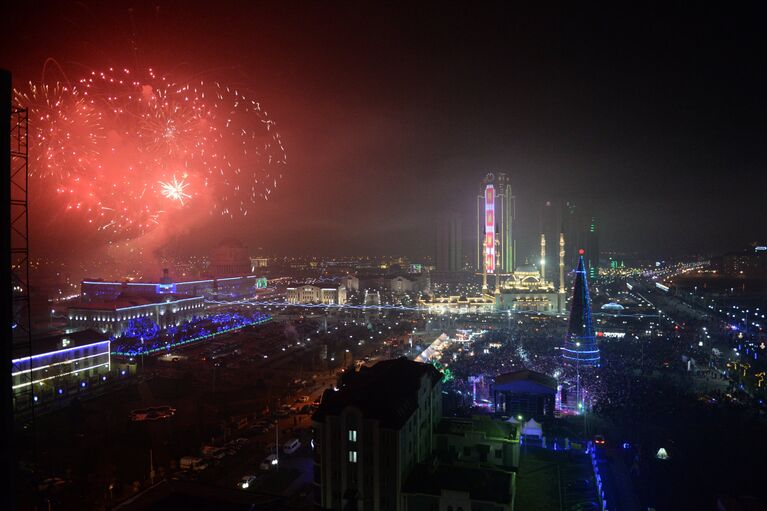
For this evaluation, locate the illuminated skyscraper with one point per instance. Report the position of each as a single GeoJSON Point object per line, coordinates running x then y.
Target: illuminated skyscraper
{"type": "Point", "coordinates": [580, 344]}
{"type": "Point", "coordinates": [499, 226]}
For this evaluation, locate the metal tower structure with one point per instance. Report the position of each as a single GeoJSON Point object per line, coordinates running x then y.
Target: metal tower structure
{"type": "Point", "coordinates": [7, 486]}
{"type": "Point", "coordinates": [19, 249]}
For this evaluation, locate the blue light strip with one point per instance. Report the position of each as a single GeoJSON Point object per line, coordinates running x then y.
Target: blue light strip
{"type": "Point", "coordinates": [580, 351]}
{"type": "Point", "coordinates": [59, 352]}
{"type": "Point", "coordinates": [154, 304]}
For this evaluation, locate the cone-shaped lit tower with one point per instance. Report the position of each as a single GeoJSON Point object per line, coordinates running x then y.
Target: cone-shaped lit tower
{"type": "Point", "coordinates": [581, 344]}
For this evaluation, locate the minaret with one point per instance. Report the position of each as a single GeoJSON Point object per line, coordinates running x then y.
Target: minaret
{"type": "Point", "coordinates": [562, 263]}
{"type": "Point", "coordinates": [543, 259]}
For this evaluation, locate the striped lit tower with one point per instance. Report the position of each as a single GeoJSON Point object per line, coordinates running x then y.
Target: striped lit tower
{"type": "Point", "coordinates": [580, 348]}
{"type": "Point", "coordinates": [495, 222]}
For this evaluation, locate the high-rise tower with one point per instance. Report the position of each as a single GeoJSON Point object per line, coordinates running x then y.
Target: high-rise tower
{"type": "Point", "coordinates": [592, 249]}
{"type": "Point", "coordinates": [449, 244]}
{"type": "Point", "coordinates": [580, 344]}
{"type": "Point", "coordinates": [502, 206]}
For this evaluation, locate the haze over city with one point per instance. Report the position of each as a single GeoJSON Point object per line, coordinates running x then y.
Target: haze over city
{"type": "Point", "coordinates": [388, 117]}
{"type": "Point", "coordinates": [383, 257]}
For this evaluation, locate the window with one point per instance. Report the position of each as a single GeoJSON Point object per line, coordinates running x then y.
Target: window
{"type": "Point", "coordinates": [352, 435]}
{"type": "Point", "coordinates": [352, 456]}
{"type": "Point", "coordinates": [498, 453]}
{"type": "Point", "coordinates": [467, 451]}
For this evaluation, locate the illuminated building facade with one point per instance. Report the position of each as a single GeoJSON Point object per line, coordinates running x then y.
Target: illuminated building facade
{"type": "Point", "coordinates": [527, 288]}
{"type": "Point", "coordinates": [222, 288]}
{"type": "Point", "coordinates": [256, 263]}
{"type": "Point", "coordinates": [580, 343]}
{"type": "Point", "coordinates": [456, 304]}
{"type": "Point", "coordinates": [61, 365]}
{"type": "Point", "coordinates": [495, 220]}
{"type": "Point", "coordinates": [114, 316]}
{"type": "Point", "coordinates": [330, 294]}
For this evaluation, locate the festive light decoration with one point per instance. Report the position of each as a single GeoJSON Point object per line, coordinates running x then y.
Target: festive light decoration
{"type": "Point", "coordinates": [194, 331]}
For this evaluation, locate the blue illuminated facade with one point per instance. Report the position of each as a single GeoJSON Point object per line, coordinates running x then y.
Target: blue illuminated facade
{"type": "Point", "coordinates": [581, 343]}
{"type": "Point", "coordinates": [199, 329]}
{"type": "Point", "coordinates": [56, 372]}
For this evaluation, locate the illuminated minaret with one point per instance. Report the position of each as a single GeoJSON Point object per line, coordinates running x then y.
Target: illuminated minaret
{"type": "Point", "coordinates": [543, 258]}
{"type": "Point", "coordinates": [562, 263]}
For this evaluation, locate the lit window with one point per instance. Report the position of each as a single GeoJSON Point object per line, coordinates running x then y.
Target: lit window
{"type": "Point", "coordinates": [352, 435]}
{"type": "Point", "coordinates": [352, 456]}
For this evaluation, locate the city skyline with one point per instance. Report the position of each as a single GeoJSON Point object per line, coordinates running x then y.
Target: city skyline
{"type": "Point", "coordinates": [383, 257]}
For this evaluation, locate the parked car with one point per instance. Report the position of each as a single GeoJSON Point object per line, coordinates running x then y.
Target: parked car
{"type": "Point", "coordinates": [291, 446]}
{"type": "Point", "coordinates": [269, 463]}
{"type": "Point", "coordinates": [246, 481]}
{"type": "Point", "coordinates": [192, 463]}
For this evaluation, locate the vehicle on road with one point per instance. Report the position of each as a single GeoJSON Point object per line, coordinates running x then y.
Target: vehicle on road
{"type": "Point", "coordinates": [269, 463]}
{"type": "Point", "coordinates": [152, 413]}
{"type": "Point", "coordinates": [192, 463]}
{"type": "Point", "coordinates": [291, 446]}
{"type": "Point", "coordinates": [246, 481]}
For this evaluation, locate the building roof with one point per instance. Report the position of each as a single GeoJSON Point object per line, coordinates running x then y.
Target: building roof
{"type": "Point", "coordinates": [460, 426]}
{"type": "Point", "coordinates": [123, 301]}
{"type": "Point", "coordinates": [197, 496]}
{"type": "Point", "coordinates": [53, 342]}
{"type": "Point", "coordinates": [526, 381]}
{"type": "Point", "coordinates": [386, 392]}
{"type": "Point", "coordinates": [483, 484]}
{"type": "Point", "coordinates": [322, 284]}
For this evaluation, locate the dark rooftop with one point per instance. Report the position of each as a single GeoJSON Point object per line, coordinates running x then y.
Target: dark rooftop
{"type": "Point", "coordinates": [197, 496]}
{"type": "Point", "coordinates": [477, 424]}
{"type": "Point", "coordinates": [489, 485]}
{"type": "Point", "coordinates": [54, 342]}
{"type": "Point", "coordinates": [385, 391]}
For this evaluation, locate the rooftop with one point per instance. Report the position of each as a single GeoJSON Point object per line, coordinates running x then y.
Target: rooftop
{"type": "Point", "coordinates": [489, 485]}
{"type": "Point", "coordinates": [386, 391]}
{"type": "Point", "coordinates": [477, 424]}
{"type": "Point", "coordinates": [123, 302]}
{"type": "Point", "coordinates": [54, 342]}
{"type": "Point", "coordinates": [197, 496]}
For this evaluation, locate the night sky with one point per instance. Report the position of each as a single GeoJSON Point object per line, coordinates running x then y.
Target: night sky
{"type": "Point", "coordinates": [654, 119]}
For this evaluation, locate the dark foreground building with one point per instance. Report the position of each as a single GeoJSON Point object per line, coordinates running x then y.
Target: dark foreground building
{"type": "Point", "coordinates": [370, 434]}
